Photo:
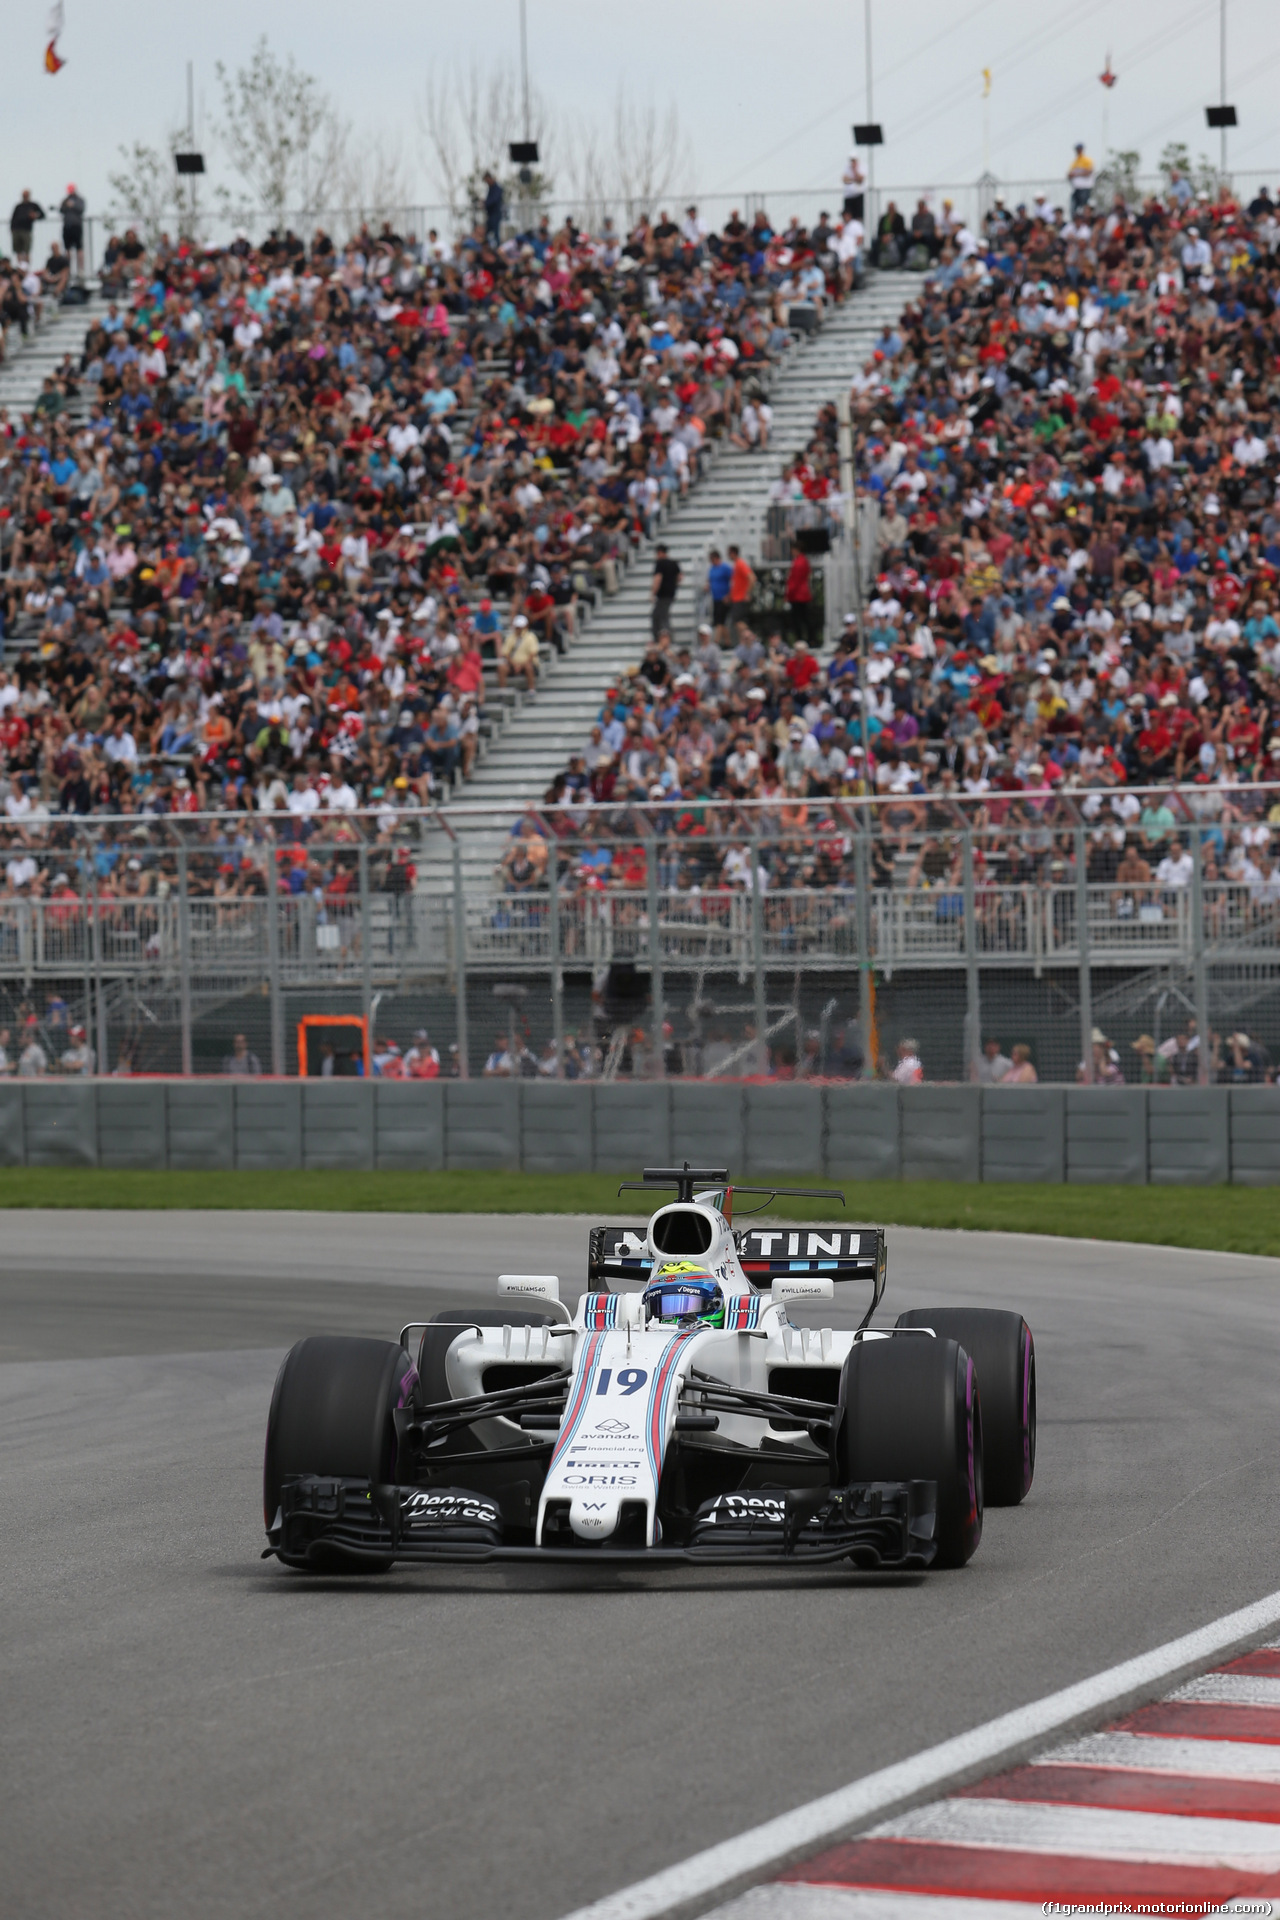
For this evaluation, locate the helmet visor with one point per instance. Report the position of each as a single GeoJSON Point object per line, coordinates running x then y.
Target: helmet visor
{"type": "Point", "coordinates": [673, 1303]}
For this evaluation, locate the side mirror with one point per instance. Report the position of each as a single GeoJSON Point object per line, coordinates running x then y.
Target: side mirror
{"type": "Point", "coordinates": [803, 1286]}
{"type": "Point", "coordinates": [529, 1286]}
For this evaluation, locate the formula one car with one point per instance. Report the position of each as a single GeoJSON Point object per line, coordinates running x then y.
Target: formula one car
{"type": "Point", "coordinates": [676, 1414]}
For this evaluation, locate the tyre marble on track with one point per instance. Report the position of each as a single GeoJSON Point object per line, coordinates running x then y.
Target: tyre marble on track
{"type": "Point", "coordinates": [188, 1728]}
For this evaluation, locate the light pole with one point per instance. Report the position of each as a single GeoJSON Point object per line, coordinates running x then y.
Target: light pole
{"type": "Point", "coordinates": [871, 152]}
{"type": "Point", "coordinates": [868, 134]}
{"type": "Point", "coordinates": [853, 531]}
{"type": "Point", "coordinates": [1222, 116]}
{"type": "Point", "coordinates": [1222, 85]}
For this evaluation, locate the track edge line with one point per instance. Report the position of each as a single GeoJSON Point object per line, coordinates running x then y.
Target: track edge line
{"type": "Point", "coordinates": [688, 1887]}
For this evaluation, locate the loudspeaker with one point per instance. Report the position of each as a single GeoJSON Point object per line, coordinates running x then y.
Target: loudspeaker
{"type": "Point", "coordinates": [813, 539]}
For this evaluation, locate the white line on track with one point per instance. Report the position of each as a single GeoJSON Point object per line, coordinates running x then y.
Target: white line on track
{"type": "Point", "coordinates": [1231, 1690]}
{"type": "Point", "coordinates": [766, 1848]}
{"type": "Point", "coordinates": [1153, 1753]}
{"type": "Point", "coordinates": [798, 1902]}
{"type": "Point", "coordinates": [1101, 1833]}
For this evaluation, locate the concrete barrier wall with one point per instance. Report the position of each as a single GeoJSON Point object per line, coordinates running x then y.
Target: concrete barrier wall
{"type": "Point", "coordinates": [13, 1149]}
{"type": "Point", "coordinates": [337, 1123]}
{"type": "Point", "coordinates": [408, 1125]}
{"type": "Point", "coordinates": [200, 1116]}
{"type": "Point", "coordinates": [1254, 1138]}
{"type": "Point", "coordinates": [784, 1134]}
{"type": "Point", "coordinates": [1024, 1133]}
{"type": "Point", "coordinates": [631, 1126]}
{"type": "Point", "coordinates": [941, 1130]}
{"type": "Point", "coordinates": [863, 1132]}
{"type": "Point", "coordinates": [1127, 1135]}
{"type": "Point", "coordinates": [482, 1123]}
{"type": "Point", "coordinates": [1189, 1144]}
{"type": "Point", "coordinates": [1107, 1136]}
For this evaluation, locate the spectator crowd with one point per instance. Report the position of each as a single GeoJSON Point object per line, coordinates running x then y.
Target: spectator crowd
{"type": "Point", "coordinates": [1069, 440]}
{"type": "Point", "coordinates": [274, 537]}
{"type": "Point", "coordinates": [279, 535]}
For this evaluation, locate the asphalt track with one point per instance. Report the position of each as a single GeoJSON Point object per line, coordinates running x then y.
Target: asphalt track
{"type": "Point", "coordinates": [187, 1729]}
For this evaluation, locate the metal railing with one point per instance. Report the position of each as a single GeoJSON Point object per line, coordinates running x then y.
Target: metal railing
{"type": "Point", "coordinates": [188, 913]}
{"type": "Point", "coordinates": [971, 199]}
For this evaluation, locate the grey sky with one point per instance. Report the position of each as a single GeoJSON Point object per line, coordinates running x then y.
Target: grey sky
{"type": "Point", "coordinates": [766, 92]}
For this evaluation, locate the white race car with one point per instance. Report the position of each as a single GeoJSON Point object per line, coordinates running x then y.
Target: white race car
{"type": "Point", "coordinates": [677, 1411]}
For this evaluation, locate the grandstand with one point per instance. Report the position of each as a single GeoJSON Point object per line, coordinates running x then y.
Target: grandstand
{"type": "Point", "coordinates": [301, 542]}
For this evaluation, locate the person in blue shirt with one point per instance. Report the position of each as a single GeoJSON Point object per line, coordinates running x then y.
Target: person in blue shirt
{"type": "Point", "coordinates": [493, 207]}
{"type": "Point", "coordinates": [719, 574]}
{"type": "Point", "coordinates": [486, 626]}
{"type": "Point", "coordinates": [1260, 627]}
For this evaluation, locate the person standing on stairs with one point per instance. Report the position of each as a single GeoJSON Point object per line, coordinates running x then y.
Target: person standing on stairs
{"type": "Point", "coordinates": [22, 223]}
{"type": "Point", "coordinates": [72, 212]}
{"type": "Point", "coordinates": [663, 589]}
{"type": "Point", "coordinates": [742, 584]}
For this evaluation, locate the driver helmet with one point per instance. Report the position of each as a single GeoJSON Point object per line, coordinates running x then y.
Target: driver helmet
{"type": "Point", "coordinates": [683, 1293]}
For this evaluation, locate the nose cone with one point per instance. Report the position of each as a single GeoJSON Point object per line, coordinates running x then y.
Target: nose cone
{"type": "Point", "coordinates": [594, 1516]}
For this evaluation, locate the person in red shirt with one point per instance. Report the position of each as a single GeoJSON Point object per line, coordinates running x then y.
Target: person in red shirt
{"type": "Point", "coordinates": [1155, 743]}
{"type": "Point", "coordinates": [801, 668]}
{"type": "Point", "coordinates": [800, 598]}
{"type": "Point", "coordinates": [1244, 735]}
{"type": "Point", "coordinates": [465, 672]}
{"type": "Point", "coordinates": [422, 1059]}
{"type": "Point", "coordinates": [539, 610]}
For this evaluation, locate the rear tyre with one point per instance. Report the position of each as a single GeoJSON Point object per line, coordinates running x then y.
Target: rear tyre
{"type": "Point", "coordinates": [331, 1415]}
{"type": "Point", "coordinates": [909, 1410]}
{"type": "Point", "coordinates": [1001, 1348]}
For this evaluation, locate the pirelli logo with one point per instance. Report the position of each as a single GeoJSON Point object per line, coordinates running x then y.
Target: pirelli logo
{"type": "Point", "coordinates": [808, 1243]}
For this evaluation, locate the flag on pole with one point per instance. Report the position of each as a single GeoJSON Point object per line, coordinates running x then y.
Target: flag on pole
{"type": "Point", "coordinates": [53, 61]}
{"type": "Point", "coordinates": [986, 82]}
{"type": "Point", "coordinates": [1108, 78]}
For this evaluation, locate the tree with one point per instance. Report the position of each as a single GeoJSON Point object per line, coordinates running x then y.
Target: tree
{"type": "Point", "coordinates": [631, 164]}
{"type": "Point", "coordinates": [1118, 174]}
{"type": "Point", "coordinates": [467, 122]}
{"type": "Point", "coordinates": [650, 152]}
{"type": "Point", "coordinates": [1201, 175]}
{"type": "Point", "coordinates": [371, 180]}
{"type": "Point", "coordinates": [626, 164]}
{"type": "Point", "coordinates": [145, 190]}
{"type": "Point", "coordinates": [282, 134]}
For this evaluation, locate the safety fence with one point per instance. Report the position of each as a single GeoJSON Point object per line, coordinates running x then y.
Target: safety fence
{"type": "Point", "coordinates": [218, 225]}
{"type": "Point", "coordinates": [1099, 1135]}
{"type": "Point", "coordinates": [683, 939]}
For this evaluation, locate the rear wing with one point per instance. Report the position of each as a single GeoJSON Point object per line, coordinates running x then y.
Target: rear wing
{"type": "Point", "coordinates": [619, 1254]}
{"type": "Point", "coordinates": [845, 1253]}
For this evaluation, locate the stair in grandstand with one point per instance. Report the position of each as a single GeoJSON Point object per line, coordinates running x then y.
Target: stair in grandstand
{"type": "Point", "coordinates": [540, 732]}
{"type": "Point", "coordinates": [152, 1002]}
{"type": "Point", "coordinates": [1235, 988]}
{"type": "Point", "coordinates": [28, 362]}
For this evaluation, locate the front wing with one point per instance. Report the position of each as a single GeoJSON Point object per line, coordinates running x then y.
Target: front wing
{"type": "Point", "coordinates": [880, 1525]}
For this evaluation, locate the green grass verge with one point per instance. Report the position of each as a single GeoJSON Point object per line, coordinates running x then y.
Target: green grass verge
{"type": "Point", "coordinates": [1233, 1219]}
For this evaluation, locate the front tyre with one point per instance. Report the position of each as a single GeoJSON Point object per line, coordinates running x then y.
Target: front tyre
{"type": "Point", "coordinates": [1001, 1348]}
{"type": "Point", "coordinates": [331, 1415]}
{"type": "Point", "coordinates": [909, 1409]}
